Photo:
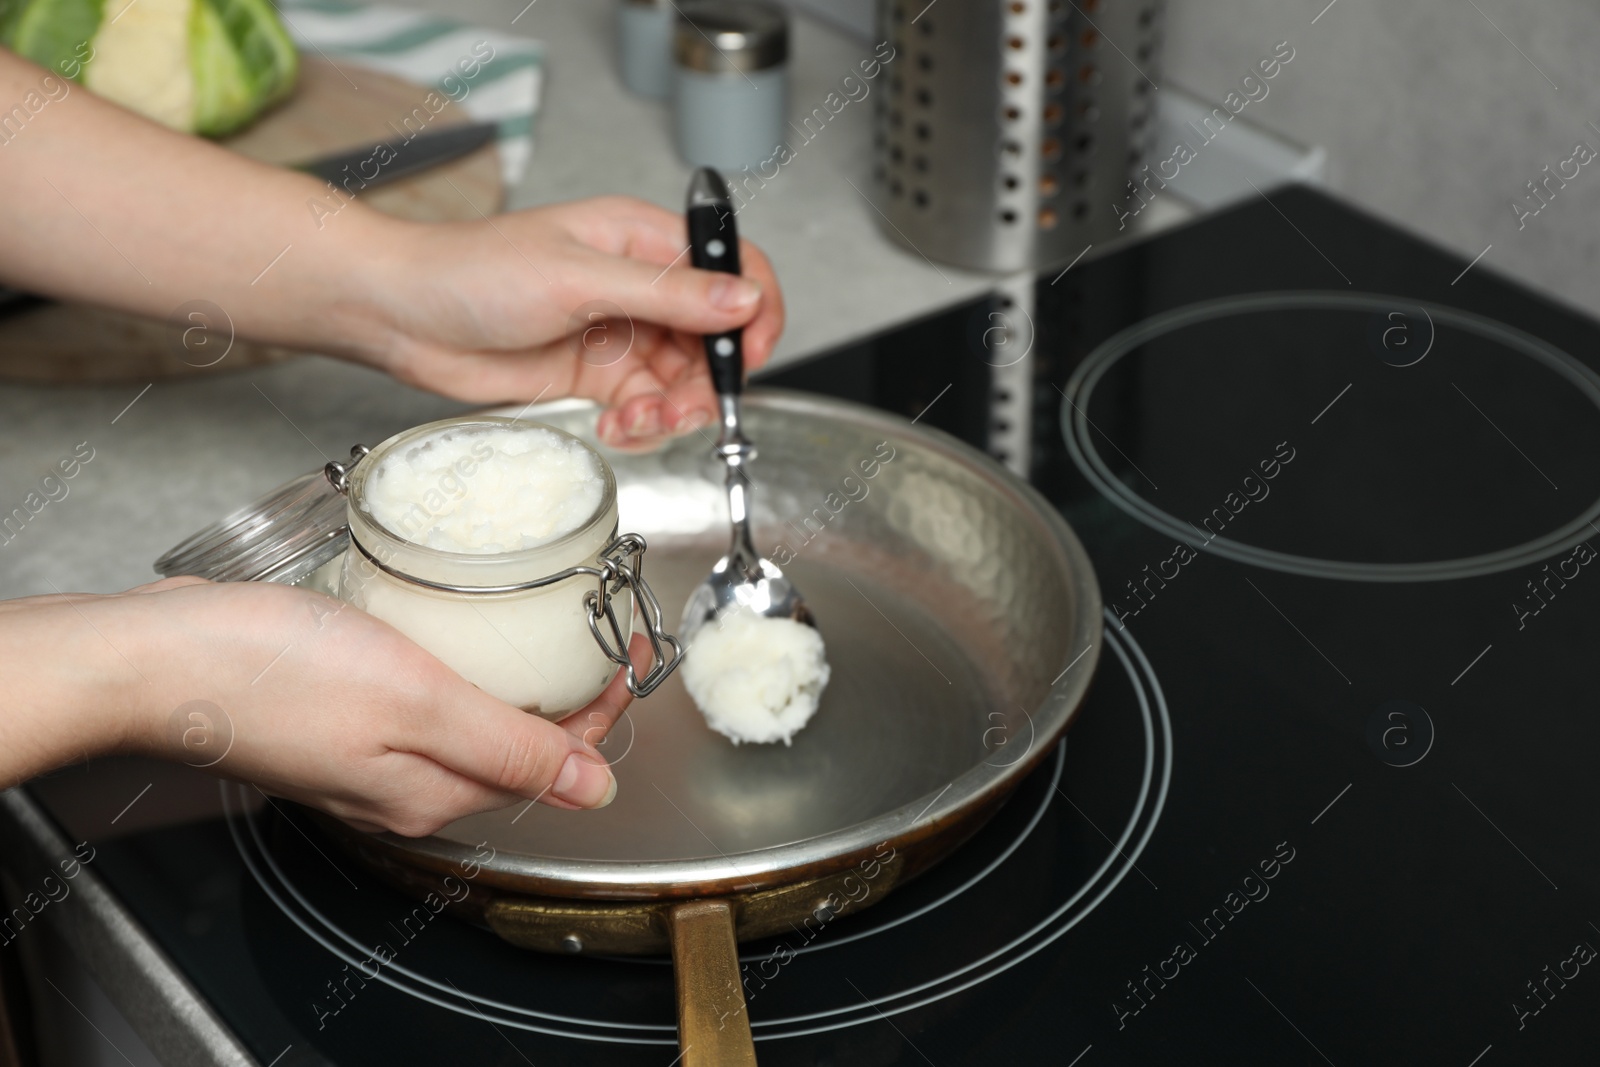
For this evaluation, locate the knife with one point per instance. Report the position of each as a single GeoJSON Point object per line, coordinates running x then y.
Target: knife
{"type": "Point", "coordinates": [423, 151]}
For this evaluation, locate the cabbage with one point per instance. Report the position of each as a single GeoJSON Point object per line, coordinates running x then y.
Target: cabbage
{"type": "Point", "coordinates": [201, 66]}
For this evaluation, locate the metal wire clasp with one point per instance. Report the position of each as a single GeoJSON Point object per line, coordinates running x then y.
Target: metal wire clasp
{"type": "Point", "coordinates": [621, 563]}
{"type": "Point", "coordinates": [338, 474]}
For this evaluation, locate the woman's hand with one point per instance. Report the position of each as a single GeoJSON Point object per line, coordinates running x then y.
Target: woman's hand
{"type": "Point", "coordinates": [319, 702]}
{"type": "Point", "coordinates": [592, 298]}
{"type": "Point", "coordinates": [502, 309]}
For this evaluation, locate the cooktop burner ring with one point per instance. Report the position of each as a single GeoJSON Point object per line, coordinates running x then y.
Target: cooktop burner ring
{"type": "Point", "coordinates": [245, 829]}
{"type": "Point", "coordinates": [308, 918]}
{"type": "Point", "coordinates": [1076, 429]}
{"type": "Point", "coordinates": [1158, 738]}
{"type": "Point", "coordinates": [900, 920]}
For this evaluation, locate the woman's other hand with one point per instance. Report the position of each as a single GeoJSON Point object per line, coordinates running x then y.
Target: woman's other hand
{"type": "Point", "coordinates": [319, 702]}
{"type": "Point", "coordinates": [591, 298]}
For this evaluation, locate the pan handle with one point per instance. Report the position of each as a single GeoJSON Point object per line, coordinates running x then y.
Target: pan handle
{"type": "Point", "coordinates": [713, 1029]}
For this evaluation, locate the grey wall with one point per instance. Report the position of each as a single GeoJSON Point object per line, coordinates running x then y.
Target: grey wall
{"type": "Point", "coordinates": [1430, 116]}
{"type": "Point", "coordinates": [857, 16]}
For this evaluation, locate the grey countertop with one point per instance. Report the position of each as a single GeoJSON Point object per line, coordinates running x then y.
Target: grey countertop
{"type": "Point", "coordinates": [186, 452]}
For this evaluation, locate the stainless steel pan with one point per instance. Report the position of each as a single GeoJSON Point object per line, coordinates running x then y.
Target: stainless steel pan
{"type": "Point", "coordinates": [963, 624]}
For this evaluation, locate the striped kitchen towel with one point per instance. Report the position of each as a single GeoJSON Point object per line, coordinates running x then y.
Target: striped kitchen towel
{"type": "Point", "coordinates": [494, 77]}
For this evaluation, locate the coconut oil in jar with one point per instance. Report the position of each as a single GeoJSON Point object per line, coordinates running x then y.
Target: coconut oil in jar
{"type": "Point", "coordinates": [480, 504]}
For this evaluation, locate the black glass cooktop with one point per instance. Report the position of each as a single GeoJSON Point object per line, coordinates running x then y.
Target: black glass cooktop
{"type": "Point", "coordinates": [1329, 801]}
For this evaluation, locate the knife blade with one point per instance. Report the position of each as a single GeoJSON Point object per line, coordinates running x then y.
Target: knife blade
{"type": "Point", "coordinates": [423, 152]}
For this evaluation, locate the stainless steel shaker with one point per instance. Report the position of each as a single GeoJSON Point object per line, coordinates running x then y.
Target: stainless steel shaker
{"type": "Point", "coordinates": [730, 81]}
{"type": "Point", "coordinates": [1012, 128]}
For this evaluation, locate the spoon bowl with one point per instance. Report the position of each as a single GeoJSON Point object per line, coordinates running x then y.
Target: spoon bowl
{"type": "Point", "coordinates": [745, 581]}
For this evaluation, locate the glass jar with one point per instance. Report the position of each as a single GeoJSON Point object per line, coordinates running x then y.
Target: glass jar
{"type": "Point", "coordinates": [543, 628]}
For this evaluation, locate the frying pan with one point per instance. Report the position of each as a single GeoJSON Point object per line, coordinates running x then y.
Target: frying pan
{"type": "Point", "coordinates": [962, 622]}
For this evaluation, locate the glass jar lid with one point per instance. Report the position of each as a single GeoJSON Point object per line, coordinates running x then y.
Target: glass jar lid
{"type": "Point", "coordinates": [281, 537]}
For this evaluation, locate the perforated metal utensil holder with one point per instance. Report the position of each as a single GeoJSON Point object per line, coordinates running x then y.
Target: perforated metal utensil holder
{"type": "Point", "coordinates": [1011, 129]}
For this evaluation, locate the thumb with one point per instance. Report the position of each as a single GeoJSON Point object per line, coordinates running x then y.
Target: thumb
{"type": "Point", "coordinates": [161, 585]}
{"type": "Point", "coordinates": [515, 752]}
{"type": "Point", "coordinates": [678, 297]}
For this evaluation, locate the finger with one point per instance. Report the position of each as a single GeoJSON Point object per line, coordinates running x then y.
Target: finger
{"type": "Point", "coordinates": [654, 234]}
{"type": "Point", "coordinates": [495, 376]}
{"type": "Point", "coordinates": [679, 297]}
{"type": "Point", "coordinates": [512, 751]}
{"type": "Point", "coordinates": [674, 399]}
{"type": "Point", "coordinates": [591, 724]}
{"type": "Point", "coordinates": [573, 365]}
{"type": "Point", "coordinates": [638, 421]}
{"type": "Point", "coordinates": [437, 796]}
{"type": "Point", "coordinates": [691, 401]}
{"type": "Point", "coordinates": [761, 333]}
{"type": "Point", "coordinates": [417, 797]}
{"type": "Point", "coordinates": [164, 584]}
{"type": "Point", "coordinates": [672, 361]}
{"type": "Point", "coordinates": [628, 226]}
{"type": "Point", "coordinates": [679, 373]}
{"type": "Point", "coordinates": [646, 407]}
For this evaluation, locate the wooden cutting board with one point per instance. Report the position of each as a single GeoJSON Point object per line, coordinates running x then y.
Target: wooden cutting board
{"type": "Point", "coordinates": [334, 108]}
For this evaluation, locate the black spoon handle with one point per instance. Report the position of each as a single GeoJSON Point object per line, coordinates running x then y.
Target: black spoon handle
{"type": "Point", "coordinates": [714, 245]}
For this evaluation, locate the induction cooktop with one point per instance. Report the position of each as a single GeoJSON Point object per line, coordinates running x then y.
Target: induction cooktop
{"type": "Point", "coordinates": [1330, 798]}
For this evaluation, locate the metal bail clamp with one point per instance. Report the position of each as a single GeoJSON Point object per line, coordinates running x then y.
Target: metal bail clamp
{"type": "Point", "coordinates": [338, 474]}
{"type": "Point", "coordinates": [622, 564]}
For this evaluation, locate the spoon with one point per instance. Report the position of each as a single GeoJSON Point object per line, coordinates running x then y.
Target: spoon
{"type": "Point", "coordinates": [743, 577]}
